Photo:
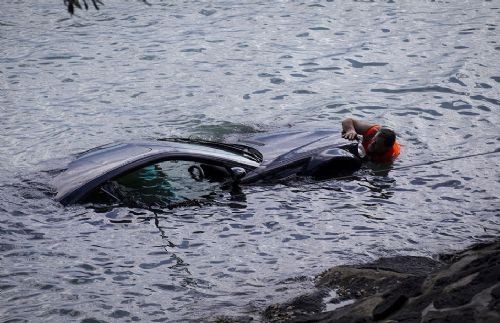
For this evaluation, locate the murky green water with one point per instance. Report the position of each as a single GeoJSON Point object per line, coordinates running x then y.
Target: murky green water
{"type": "Point", "coordinates": [431, 70]}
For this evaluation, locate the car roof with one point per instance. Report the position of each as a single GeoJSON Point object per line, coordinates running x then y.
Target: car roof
{"type": "Point", "coordinates": [103, 163]}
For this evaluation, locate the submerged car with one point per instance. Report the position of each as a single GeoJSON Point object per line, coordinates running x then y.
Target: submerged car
{"type": "Point", "coordinates": [171, 169]}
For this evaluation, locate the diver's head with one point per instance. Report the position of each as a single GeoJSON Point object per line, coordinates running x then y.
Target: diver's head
{"type": "Point", "coordinates": [382, 141]}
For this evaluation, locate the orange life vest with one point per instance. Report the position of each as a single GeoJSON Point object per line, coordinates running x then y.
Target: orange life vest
{"type": "Point", "coordinates": [389, 156]}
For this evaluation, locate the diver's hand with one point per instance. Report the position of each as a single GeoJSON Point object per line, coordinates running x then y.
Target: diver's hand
{"type": "Point", "coordinates": [350, 135]}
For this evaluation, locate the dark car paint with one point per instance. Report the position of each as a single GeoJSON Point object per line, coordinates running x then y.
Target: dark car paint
{"type": "Point", "coordinates": [318, 153]}
{"type": "Point", "coordinates": [98, 166]}
{"type": "Point", "coordinates": [308, 152]}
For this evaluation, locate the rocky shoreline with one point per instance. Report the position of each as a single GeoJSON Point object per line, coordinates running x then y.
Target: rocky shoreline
{"type": "Point", "coordinates": [459, 287]}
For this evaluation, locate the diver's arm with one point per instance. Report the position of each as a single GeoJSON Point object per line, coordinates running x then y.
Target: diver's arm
{"type": "Point", "coordinates": [352, 127]}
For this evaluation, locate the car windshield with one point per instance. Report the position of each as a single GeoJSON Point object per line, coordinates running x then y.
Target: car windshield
{"type": "Point", "coordinates": [246, 151]}
{"type": "Point", "coordinates": [159, 185]}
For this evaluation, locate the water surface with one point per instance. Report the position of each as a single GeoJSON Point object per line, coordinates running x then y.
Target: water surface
{"type": "Point", "coordinates": [431, 70]}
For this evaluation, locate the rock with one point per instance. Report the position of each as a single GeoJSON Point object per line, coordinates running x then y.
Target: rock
{"type": "Point", "coordinates": [227, 319]}
{"type": "Point", "coordinates": [405, 264]}
{"type": "Point", "coordinates": [302, 305]}
{"type": "Point", "coordinates": [461, 287]}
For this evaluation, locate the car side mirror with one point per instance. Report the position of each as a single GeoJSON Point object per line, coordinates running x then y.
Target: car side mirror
{"type": "Point", "coordinates": [237, 173]}
{"type": "Point", "coordinates": [361, 151]}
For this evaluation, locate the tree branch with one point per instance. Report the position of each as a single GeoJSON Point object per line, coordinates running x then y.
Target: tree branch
{"type": "Point", "coordinates": [72, 4]}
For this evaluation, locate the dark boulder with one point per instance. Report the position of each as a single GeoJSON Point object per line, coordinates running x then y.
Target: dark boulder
{"type": "Point", "coordinates": [461, 287]}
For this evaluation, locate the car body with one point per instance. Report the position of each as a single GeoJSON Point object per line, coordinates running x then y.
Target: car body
{"type": "Point", "coordinates": [319, 153]}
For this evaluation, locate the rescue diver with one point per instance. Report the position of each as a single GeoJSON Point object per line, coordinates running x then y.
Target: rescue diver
{"type": "Point", "coordinates": [379, 142]}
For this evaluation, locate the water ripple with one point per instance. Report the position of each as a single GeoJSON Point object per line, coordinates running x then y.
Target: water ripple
{"type": "Point", "coordinates": [230, 69]}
